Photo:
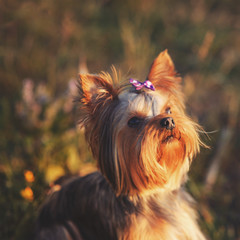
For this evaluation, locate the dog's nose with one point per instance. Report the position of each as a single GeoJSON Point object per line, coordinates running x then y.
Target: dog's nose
{"type": "Point", "coordinates": [167, 123]}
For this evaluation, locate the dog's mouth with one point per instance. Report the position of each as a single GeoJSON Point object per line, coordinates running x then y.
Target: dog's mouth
{"type": "Point", "coordinates": [169, 138]}
{"type": "Point", "coordinates": [172, 136]}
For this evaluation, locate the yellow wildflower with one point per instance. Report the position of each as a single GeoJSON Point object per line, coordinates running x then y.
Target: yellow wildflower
{"type": "Point", "coordinates": [29, 177]}
{"type": "Point", "coordinates": [27, 193]}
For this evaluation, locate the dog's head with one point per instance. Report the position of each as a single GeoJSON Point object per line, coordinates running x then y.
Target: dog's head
{"type": "Point", "coordinates": [141, 138]}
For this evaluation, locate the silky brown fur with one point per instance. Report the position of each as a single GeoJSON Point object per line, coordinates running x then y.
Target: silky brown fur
{"type": "Point", "coordinates": [143, 164]}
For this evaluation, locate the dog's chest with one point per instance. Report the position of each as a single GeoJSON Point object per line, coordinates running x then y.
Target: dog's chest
{"type": "Point", "coordinates": [170, 218]}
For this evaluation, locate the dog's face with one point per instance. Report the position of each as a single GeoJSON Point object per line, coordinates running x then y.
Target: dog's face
{"type": "Point", "coordinates": [142, 139]}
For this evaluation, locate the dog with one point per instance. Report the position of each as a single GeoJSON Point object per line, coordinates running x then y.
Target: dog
{"type": "Point", "coordinates": [143, 143]}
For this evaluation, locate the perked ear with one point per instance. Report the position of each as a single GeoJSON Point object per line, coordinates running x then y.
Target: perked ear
{"type": "Point", "coordinates": [95, 90]}
{"type": "Point", "coordinates": [162, 66]}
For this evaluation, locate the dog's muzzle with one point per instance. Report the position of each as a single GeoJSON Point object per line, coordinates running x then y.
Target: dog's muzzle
{"type": "Point", "coordinates": [167, 123]}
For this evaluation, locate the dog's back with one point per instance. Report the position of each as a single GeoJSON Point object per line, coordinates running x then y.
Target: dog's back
{"type": "Point", "coordinates": [84, 208]}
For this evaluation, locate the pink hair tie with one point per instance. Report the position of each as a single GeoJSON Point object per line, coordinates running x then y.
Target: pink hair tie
{"type": "Point", "coordinates": [139, 85]}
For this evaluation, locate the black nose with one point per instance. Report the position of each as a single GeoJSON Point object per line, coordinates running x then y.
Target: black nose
{"type": "Point", "coordinates": [167, 123]}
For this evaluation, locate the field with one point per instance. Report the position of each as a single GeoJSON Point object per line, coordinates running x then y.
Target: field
{"type": "Point", "coordinates": [44, 44]}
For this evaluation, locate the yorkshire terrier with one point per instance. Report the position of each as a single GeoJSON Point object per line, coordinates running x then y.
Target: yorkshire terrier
{"type": "Point", "coordinates": [144, 144]}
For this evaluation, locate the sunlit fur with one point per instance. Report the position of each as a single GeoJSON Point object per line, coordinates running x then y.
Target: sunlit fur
{"type": "Point", "coordinates": [147, 164]}
{"type": "Point", "coordinates": [138, 159]}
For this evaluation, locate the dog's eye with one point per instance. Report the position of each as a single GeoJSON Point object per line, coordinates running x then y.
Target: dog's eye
{"type": "Point", "coordinates": [168, 110]}
{"type": "Point", "coordinates": [134, 122]}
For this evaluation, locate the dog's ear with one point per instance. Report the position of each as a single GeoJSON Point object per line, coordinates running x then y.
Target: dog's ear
{"type": "Point", "coordinates": [162, 68]}
{"type": "Point", "coordinates": [95, 90]}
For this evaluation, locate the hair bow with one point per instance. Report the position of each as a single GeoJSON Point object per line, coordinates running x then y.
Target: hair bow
{"type": "Point", "coordinates": [139, 85]}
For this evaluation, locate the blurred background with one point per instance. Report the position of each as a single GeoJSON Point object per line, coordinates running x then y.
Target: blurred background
{"type": "Point", "coordinates": [44, 44]}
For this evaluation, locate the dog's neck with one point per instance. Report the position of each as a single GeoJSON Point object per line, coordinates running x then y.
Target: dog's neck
{"type": "Point", "coordinates": [175, 182]}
